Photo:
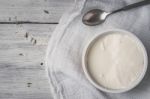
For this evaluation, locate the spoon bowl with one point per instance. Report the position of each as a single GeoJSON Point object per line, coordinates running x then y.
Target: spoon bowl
{"type": "Point", "coordinates": [94, 17]}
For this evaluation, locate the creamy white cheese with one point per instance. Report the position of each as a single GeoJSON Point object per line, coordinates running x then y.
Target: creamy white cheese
{"type": "Point", "coordinates": [115, 60]}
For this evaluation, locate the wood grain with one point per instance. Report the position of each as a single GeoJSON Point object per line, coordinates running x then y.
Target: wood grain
{"type": "Point", "coordinates": [22, 46]}
{"type": "Point", "coordinates": [44, 11]}
{"type": "Point", "coordinates": [22, 70]}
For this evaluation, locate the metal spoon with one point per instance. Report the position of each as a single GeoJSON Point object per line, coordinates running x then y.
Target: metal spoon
{"type": "Point", "coordinates": [98, 16]}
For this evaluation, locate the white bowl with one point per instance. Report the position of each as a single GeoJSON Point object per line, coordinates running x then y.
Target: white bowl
{"type": "Point", "coordinates": [100, 87]}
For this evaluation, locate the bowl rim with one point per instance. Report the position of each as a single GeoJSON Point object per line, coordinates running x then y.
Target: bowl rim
{"type": "Point", "coordinates": [100, 87]}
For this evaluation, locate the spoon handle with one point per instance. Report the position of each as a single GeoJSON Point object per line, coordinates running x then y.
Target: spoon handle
{"type": "Point", "coordinates": [145, 2]}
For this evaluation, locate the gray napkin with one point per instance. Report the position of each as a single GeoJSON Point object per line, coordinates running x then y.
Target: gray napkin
{"type": "Point", "coordinates": [63, 58]}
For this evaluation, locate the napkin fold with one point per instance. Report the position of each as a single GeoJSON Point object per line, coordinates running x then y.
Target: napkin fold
{"type": "Point", "coordinates": [64, 52]}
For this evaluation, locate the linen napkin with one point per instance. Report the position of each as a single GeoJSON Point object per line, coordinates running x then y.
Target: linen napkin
{"type": "Point", "coordinates": [63, 58]}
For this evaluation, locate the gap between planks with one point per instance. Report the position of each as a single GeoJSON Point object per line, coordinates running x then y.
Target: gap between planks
{"type": "Point", "coordinates": [28, 22]}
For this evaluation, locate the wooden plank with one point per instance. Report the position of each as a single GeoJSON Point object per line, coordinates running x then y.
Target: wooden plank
{"type": "Point", "coordinates": [33, 10]}
{"type": "Point", "coordinates": [22, 72]}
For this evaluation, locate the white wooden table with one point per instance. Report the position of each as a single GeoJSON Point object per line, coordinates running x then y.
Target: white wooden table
{"type": "Point", "coordinates": [25, 28]}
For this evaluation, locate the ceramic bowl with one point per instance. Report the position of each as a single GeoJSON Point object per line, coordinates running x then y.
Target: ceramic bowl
{"type": "Point", "coordinates": [100, 87]}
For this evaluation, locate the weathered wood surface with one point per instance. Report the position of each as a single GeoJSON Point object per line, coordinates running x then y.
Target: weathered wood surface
{"type": "Point", "coordinates": [22, 46]}
{"type": "Point", "coordinates": [22, 72]}
{"type": "Point", "coordinates": [33, 10]}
